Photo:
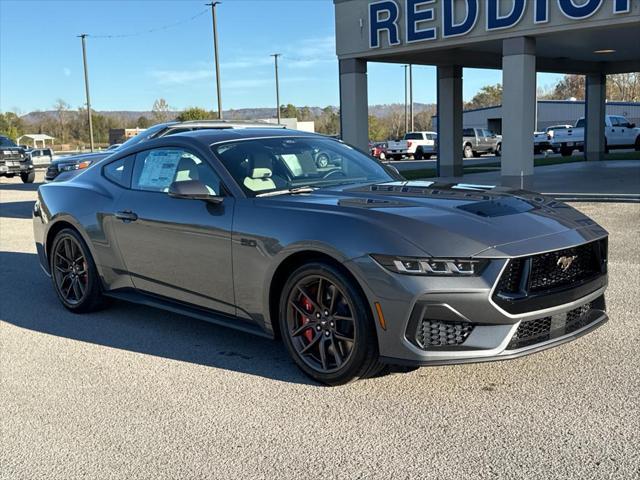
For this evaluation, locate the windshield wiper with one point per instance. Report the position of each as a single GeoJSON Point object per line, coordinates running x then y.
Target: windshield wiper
{"type": "Point", "coordinates": [288, 191]}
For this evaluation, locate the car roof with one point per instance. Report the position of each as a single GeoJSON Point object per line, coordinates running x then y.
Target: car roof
{"type": "Point", "coordinates": [226, 124]}
{"type": "Point", "coordinates": [211, 136]}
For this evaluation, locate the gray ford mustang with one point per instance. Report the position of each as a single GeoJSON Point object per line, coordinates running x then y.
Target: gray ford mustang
{"type": "Point", "coordinates": [353, 267]}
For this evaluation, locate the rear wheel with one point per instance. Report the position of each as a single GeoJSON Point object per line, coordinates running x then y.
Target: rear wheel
{"type": "Point", "coordinates": [28, 177]}
{"type": "Point", "coordinates": [382, 156]}
{"type": "Point", "coordinates": [74, 273]}
{"type": "Point", "coordinates": [498, 151]}
{"type": "Point", "coordinates": [419, 154]}
{"type": "Point", "coordinates": [327, 326]}
{"type": "Point", "coordinates": [637, 144]}
{"type": "Point", "coordinates": [566, 152]}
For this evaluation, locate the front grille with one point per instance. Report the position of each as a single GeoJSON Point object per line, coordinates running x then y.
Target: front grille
{"type": "Point", "coordinates": [531, 332]}
{"type": "Point", "coordinates": [547, 272]}
{"type": "Point", "coordinates": [436, 333]}
{"type": "Point", "coordinates": [528, 278]}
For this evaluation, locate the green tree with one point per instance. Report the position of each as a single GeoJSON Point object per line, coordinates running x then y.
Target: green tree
{"type": "Point", "coordinates": [377, 129]}
{"type": "Point", "coordinates": [570, 86]}
{"type": "Point", "coordinates": [288, 111]}
{"type": "Point", "coordinates": [11, 125]}
{"type": "Point", "coordinates": [488, 96]}
{"type": "Point", "coordinates": [143, 122]}
{"type": "Point", "coordinates": [194, 113]}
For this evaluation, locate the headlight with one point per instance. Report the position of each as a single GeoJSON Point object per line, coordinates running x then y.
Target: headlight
{"type": "Point", "coordinates": [431, 266]}
{"type": "Point", "coordinates": [74, 166]}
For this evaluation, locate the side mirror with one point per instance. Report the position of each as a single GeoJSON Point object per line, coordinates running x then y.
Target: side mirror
{"type": "Point", "coordinates": [632, 125]}
{"type": "Point", "coordinates": [194, 190]}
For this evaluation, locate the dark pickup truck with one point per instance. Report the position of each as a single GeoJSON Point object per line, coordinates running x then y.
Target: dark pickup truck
{"type": "Point", "coordinates": [15, 161]}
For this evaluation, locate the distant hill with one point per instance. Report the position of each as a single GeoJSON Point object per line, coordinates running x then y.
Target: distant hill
{"type": "Point", "coordinates": [233, 114]}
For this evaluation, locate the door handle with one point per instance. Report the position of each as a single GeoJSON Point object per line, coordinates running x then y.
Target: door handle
{"type": "Point", "coordinates": [127, 216]}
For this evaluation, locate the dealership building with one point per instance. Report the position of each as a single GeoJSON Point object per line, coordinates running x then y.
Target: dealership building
{"type": "Point", "coordinates": [522, 37]}
{"type": "Point", "coordinates": [548, 113]}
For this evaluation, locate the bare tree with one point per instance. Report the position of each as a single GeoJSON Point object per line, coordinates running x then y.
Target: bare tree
{"type": "Point", "coordinates": [61, 107]}
{"type": "Point", "coordinates": [161, 111]}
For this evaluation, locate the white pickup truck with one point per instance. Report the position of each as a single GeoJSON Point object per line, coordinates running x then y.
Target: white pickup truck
{"type": "Point", "coordinates": [618, 132]}
{"type": "Point", "coordinates": [419, 145]}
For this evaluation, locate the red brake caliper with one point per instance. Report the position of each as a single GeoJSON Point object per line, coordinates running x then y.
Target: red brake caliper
{"type": "Point", "coordinates": [309, 308]}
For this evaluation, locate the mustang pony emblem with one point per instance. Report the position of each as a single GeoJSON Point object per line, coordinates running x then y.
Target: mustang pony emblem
{"type": "Point", "coordinates": [565, 262]}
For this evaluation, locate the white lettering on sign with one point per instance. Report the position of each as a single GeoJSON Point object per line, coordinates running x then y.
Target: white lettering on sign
{"type": "Point", "coordinates": [459, 17]}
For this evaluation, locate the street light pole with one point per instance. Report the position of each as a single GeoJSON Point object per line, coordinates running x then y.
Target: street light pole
{"type": "Point", "coordinates": [275, 58]}
{"type": "Point", "coordinates": [411, 95]}
{"type": "Point", "coordinates": [86, 87]}
{"type": "Point", "coordinates": [406, 117]}
{"type": "Point", "coordinates": [215, 54]}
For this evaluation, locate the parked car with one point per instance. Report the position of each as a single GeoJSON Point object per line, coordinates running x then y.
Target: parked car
{"type": "Point", "coordinates": [619, 133]}
{"type": "Point", "coordinates": [354, 268]}
{"type": "Point", "coordinates": [378, 150]}
{"type": "Point", "coordinates": [542, 141]}
{"type": "Point", "coordinates": [15, 161]}
{"type": "Point", "coordinates": [418, 145]}
{"type": "Point", "coordinates": [79, 162]}
{"type": "Point", "coordinates": [476, 141]}
{"type": "Point", "coordinates": [40, 156]}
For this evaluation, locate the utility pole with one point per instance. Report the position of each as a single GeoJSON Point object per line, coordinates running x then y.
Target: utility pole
{"type": "Point", "coordinates": [406, 106]}
{"type": "Point", "coordinates": [215, 54]}
{"type": "Point", "coordinates": [86, 87]}
{"type": "Point", "coordinates": [411, 95]}
{"type": "Point", "coordinates": [275, 57]}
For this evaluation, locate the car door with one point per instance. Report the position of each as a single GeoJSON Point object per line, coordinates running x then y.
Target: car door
{"type": "Point", "coordinates": [613, 132]}
{"type": "Point", "coordinates": [174, 247]}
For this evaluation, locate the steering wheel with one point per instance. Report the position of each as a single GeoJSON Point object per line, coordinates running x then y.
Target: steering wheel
{"type": "Point", "coordinates": [333, 172]}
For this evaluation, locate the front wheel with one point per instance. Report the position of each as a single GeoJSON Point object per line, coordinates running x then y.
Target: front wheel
{"type": "Point", "coordinates": [468, 151]}
{"type": "Point", "coordinates": [419, 154]}
{"type": "Point", "coordinates": [28, 177]}
{"type": "Point", "coordinates": [566, 152]}
{"type": "Point", "coordinates": [74, 273]}
{"type": "Point", "coordinates": [327, 326]}
{"type": "Point", "coordinates": [498, 150]}
{"type": "Point", "coordinates": [382, 156]}
{"type": "Point", "coordinates": [637, 144]}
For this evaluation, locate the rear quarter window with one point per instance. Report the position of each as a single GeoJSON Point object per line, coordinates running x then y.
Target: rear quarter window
{"type": "Point", "coordinates": [119, 171]}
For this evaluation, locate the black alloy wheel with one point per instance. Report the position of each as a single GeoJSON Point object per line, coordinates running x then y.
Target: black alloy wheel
{"type": "Point", "coordinates": [326, 326]}
{"type": "Point", "coordinates": [74, 273]}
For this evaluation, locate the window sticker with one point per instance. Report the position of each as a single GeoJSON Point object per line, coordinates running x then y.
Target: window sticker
{"type": "Point", "coordinates": [159, 169]}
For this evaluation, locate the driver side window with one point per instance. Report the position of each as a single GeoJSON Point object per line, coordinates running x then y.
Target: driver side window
{"type": "Point", "coordinates": [155, 170]}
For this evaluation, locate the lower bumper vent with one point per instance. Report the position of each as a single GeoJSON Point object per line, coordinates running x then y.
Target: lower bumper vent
{"type": "Point", "coordinates": [540, 330]}
{"type": "Point", "coordinates": [436, 333]}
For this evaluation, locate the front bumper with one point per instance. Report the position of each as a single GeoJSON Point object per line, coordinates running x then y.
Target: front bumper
{"type": "Point", "coordinates": [450, 320]}
{"type": "Point", "coordinates": [15, 167]}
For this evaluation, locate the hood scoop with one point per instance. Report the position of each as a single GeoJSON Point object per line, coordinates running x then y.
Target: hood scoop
{"type": "Point", "coordinates": [498, 207]}
{"type": "Point", "coordinates": [372, 203]}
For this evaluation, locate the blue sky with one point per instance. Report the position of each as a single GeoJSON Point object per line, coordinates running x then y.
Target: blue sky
{"type": "Point", "coordinates": [41, 56]}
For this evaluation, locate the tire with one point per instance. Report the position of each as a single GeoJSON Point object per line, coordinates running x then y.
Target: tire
{"type": "Point", "coordinates": [419, 155]}
{"type": "Point", "coordinates": [322, 160]}
{"type": "Point", "coordinates": [306, 336]}
{"type": "Point", "coordinates": [87, 291]}
{"type": "Point", "coordinates": [565, 151]}
{"type": "Point", "coordinates": [637, 144]}
{"type": "Point", "coordinates": [498, 151]}
{"type": "Point", "coordinates": [10, 175]}
{"type": "Point", "coordinates": [28, 177]}
{"type": "Point", "coordinates": [382, 156]}
{"type": "Point", "coordinates": [467, 152]}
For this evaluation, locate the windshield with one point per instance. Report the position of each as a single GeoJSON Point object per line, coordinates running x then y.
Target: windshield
{"type": "Point", "coordinates": [5, 142]}
{"type": "Point", "coordinates": [282, 163]}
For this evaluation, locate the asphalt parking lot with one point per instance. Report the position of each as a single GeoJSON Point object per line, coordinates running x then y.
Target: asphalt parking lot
{"type": "Point", "coordinates": [133, 392]}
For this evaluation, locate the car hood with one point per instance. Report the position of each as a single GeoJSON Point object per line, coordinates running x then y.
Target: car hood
{"type": "Point", "coordinates": [461, 220]}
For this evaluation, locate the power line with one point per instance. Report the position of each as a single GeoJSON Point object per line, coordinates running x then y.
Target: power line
{"type": "Point", "coordinates": [155, 29]}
